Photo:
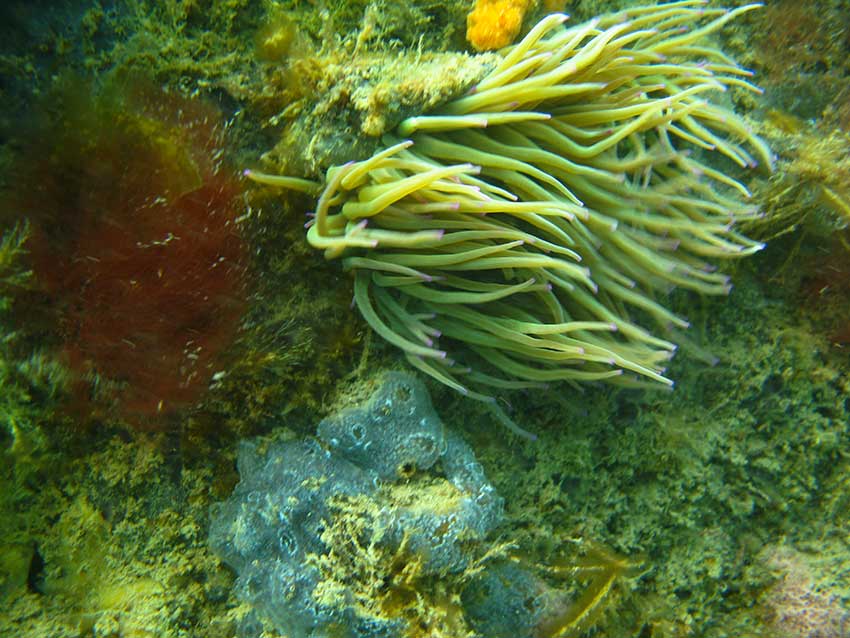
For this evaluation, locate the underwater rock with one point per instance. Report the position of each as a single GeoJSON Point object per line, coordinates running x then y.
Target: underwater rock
{"type": "Point", "coordinates": [350, 102]}
{"type": "Point", "coordinates": [330, 534]}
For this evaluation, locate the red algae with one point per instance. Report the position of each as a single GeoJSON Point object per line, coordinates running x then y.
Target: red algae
{"type": "Point", "coordinates": [135, 242]}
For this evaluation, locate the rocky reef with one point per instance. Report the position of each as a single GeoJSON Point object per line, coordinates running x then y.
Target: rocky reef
{"type": "Point", "coordinates": [732, 490]}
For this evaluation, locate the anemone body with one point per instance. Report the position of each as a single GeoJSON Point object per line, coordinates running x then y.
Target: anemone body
{"type": "Point", "coordinates": [528, 231]}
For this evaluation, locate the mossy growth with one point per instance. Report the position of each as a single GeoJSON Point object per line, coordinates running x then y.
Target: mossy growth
{"type": "Point", "coordinates": [699, 480]}
{"type": "Point", "coordinates": [811, 191]}
{"type": "Point", "coordinates": [298, 332]}
{"type": "Point", "coordinates": [338, 104]}
{"type": "Point", "coordinates": [31, 386]}
{"type": "Point", "coordinates": [113, 543]}
{"type": "Point", "coordinates": [384, 25]}
{"type": "Point", "coordinates": [387, 582]}
{"type": "Point", "coordinates": [31, 382]}
{"type": "Point", "coordinates": [13, 274]}
{"type": "Point", "coordinates": [807, 212]}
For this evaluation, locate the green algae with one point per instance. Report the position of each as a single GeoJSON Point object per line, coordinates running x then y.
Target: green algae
{"type": "Point", "coordinates": [122, 547]}
{"type": "Point", "coordinates": [700, 479]}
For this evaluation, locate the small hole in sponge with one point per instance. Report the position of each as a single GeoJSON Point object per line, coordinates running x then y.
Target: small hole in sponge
{"type": "Point", "coordinates": [403, 393]}
{"type": "Point", "coordinates": [406, 469]}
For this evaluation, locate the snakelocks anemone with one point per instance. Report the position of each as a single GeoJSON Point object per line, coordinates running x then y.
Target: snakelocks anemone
{"type": "Point", "coordinates": [528, 231]}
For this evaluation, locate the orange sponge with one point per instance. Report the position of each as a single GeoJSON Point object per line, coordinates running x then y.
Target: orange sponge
{"type": "Point", "coordinates": [493, 24]}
